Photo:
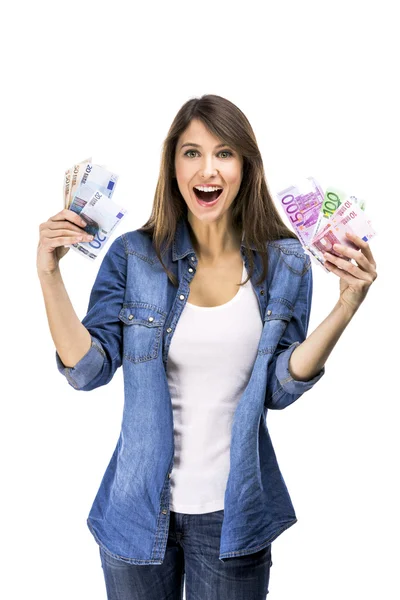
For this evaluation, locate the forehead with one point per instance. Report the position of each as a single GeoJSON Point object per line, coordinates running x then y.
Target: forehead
{"type": "Point", "coordinates": [197, 131]}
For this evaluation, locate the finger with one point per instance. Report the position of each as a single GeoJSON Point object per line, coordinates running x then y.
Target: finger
{"type": "Point", "coordinates": [69, 215]}
{"type": "Point", "coordinates": [349, 267]}
{"type": "Point", "coordinates": [63, 241]}
{"type": "Point", "coordinates": [58, 226]}
{"type": "Point", "coordinates": [357, 255]}
{"type": "Point", "coordinates": [55, 233]}
{"type": "Point", "coordinates": [340, 272]}
{"type": "Point", "coordinates": [363, 245]}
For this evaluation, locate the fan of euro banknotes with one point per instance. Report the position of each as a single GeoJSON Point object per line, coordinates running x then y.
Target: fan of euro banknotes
{"type": "Point", "coordinates": [322, 218]}
{"type": "Point", "coordinates": [88, 191]}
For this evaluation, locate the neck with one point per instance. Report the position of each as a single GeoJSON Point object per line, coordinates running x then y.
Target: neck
{"type": "Point", "coordinates": [214, 241]}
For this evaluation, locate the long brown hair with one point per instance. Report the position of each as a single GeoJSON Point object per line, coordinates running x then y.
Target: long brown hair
{"type": "Point", "coordinates": [253, 211]}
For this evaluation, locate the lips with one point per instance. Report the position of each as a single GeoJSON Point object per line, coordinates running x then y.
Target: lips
{"type": "Point", "coordinates": [209, 203]}
{"type": "Point", "coordinates": [207, 196]}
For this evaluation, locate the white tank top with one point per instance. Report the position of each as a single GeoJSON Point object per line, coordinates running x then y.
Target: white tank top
{"type": "Point", "coordinates": [210, 361]}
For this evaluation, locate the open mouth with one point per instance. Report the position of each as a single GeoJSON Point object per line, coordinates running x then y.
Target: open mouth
{"type": "Point", "coordinates": [207, 196]}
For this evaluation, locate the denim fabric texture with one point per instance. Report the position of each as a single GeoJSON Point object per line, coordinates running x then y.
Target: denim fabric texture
{"type": "Point", "coordinates": [191, 557]}
{"type": "Point", "coordinates": [133, 312]}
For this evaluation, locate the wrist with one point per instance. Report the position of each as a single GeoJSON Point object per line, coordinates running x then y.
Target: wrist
{"type": "Point", "coordinates": [347, 310]}
{"type": "Point", "coordinates": [49, 275]}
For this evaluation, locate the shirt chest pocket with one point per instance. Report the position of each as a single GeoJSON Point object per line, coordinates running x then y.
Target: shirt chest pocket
{"type": "Point", "coordinates": [142, 331]}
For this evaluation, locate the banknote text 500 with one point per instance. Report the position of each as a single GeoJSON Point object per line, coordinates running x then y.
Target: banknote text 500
{"type": "Point", "coordinates": [292, 207]}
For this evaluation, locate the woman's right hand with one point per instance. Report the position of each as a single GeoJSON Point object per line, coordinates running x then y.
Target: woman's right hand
{"type": "Point", "coordinates": [65, 228]}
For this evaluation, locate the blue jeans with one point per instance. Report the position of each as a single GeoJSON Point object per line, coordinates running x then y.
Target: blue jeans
{"type": "Point", "coordinates": [192, 551]}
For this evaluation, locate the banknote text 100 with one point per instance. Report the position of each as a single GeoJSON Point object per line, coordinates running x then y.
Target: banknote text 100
{"type": "Point", "coordinates": [331, 204]}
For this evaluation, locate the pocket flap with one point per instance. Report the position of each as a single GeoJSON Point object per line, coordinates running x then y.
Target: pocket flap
{"type": "Point", "coordinates": [141, 313]}
{"type": "Point", "coordinates": [278, 308]}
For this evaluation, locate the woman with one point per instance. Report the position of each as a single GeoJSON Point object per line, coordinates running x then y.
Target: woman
{"type": "Point", "coordinates": [207, 308]}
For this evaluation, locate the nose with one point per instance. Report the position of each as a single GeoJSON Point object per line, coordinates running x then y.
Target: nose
{"type": "Point", "coordinates": [208, 169]}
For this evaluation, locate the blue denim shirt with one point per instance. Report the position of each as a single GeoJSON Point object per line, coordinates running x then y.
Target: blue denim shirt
{"type": "Point", "coordinates": [132, 315]}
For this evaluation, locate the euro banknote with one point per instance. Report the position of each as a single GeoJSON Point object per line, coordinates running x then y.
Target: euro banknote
{"type": "Point", "coordinates": [95, 177]}
{"type": "Point", "coordinates": [67, 186]}
{"type": "Point", "coordinates": [101, 215]}
{"type": "Point", "coordinates": [321, 218]}
{"type": "Point", "coordinates": [88, 191]}
{"type": "Point", "coordinates": [348, 217]}
{"type": "Point", "coordinates": [302, 204]}
{"type": "Point", "coordinates": [72, 179]}
{"type": "Point", "coordinates": [77, 173]}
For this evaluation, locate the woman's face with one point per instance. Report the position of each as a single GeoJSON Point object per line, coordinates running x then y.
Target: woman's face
{"type": "Point", "coordinates": [206, 164]}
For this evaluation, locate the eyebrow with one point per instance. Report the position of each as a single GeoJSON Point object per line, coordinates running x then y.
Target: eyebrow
{"type": "Point", "coordinates": [198, 145]}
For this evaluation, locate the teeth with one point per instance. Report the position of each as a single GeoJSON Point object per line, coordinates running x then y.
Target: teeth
{"type": "Point", "coordinates": [207, 189]}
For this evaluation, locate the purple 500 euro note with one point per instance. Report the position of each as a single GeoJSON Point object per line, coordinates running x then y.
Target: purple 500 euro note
{"type": "Point", "coordinates": [302, 205]}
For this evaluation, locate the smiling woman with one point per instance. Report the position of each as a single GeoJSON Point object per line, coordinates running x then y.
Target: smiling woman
{"type": "Point", "coordinates": [193, 488]}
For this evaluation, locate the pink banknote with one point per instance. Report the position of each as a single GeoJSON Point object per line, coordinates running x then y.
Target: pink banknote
{"type": "Point", "coordinates": [348, 217]}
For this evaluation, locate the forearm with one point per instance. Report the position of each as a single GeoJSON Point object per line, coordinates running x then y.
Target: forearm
{"type": "Point", "coordinates": [309, 357]}
{"type": "Point", "coordinates": [71, 339]}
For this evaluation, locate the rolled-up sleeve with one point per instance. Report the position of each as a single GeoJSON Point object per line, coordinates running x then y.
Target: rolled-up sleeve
{"type": "Point", "coordinates": [98, 365]}
{"type": "Point", "coordinates": [282, 389]}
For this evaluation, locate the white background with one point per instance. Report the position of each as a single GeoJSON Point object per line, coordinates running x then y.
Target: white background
{"type": "Point", "coordinates": [317, 81]}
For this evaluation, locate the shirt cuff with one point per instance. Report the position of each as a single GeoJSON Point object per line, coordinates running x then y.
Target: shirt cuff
{"type": "Point", "coordinates": [290, 385]}
{"type": "Point", "coordinates": [86, 369]}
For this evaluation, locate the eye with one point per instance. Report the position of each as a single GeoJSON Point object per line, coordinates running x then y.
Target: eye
{"type": "Point", "coordinates": [186, 153]}
{"type": "Point", "coordinates": [221, 152]}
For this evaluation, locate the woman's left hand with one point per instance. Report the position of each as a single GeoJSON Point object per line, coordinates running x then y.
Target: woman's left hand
{"type": "Point", "coordinates": [355, 280]}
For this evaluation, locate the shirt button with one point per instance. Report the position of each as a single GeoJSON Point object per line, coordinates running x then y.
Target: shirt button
{"type": "Point", "coordinates": [262, 292]}
{"type": "Point", "coordinates": [130, 317]}
{"type": "Point", "coordinates": [269, 312]}
{"type": "Point", "coordinates": [164, 511]}
{"type": "Point", "coordinates": [192, 258]}
{"type": "Point", "coordinates": [169, 330]}
{"type": "Point", "coordinates": [190, 270]}
{"type": "Point", "coordinates": [151, 319]}
{"type": "Point", "coordinates": [181, 297]}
